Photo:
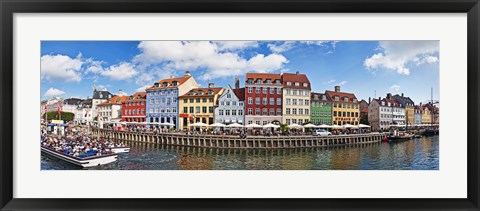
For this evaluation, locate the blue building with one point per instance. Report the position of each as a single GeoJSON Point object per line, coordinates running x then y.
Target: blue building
{"type": "Point", "coordinates": [162, 99]}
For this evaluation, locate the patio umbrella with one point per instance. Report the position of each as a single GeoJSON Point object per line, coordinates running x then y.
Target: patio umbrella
{"type": "Point", "coordinates": [253, 125]}
{"type": "Point", "coordinates": [235, 125]}
{"type": "Point", "coordinates": [337, 127]}
{"type": "Point", "coordinates": [325, 126]}
{"type": "Point", "coordinates": [270, 125]}
{"type": "Point", "coordinates": [217, 125]}
{"type": "Point", "coordinates": [294, 125]}
{"type": "Point", "coordinates": [198, 124]}
{"type": "Point", "coordinates": [363, 126]}
{"type": "Point", "coordinates": [309, 125]}
{"type": "Point", "coordinates": [348, 126]}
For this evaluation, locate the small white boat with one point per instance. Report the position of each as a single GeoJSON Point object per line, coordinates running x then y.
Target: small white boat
{"type": "Point", "coordinates": [83, 162]}
{"type": "Point", "coordinates": [120, 149]}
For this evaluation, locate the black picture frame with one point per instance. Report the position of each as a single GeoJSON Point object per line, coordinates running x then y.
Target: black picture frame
{"type": "Point", "coordinates": [10, 7]}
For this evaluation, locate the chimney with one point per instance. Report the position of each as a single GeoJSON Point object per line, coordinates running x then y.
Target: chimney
{"type": "Point", "coordinates": [211, 85]}
{"type": "Point", "coordinates": [379, 98]}
{"type": "Point", "coordinates": [389, 95]}
{"type": "Point", "coordinates": [402, 94]}
{"type": "Point", "coordinates": [337, 88]}
{"type": "Point", "coordinates": [297, 72]}
{"type": "Point", "coordinates": [171, 76]}
{"type": "Point", "coordinates": [237, 83]}
{"type": "Point", "coordinates": [187, 74]}
{"type": "Point", "coordinates": [369, 100]}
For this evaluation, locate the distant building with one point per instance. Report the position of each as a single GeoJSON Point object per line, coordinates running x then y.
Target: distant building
{"type": "Point", "coordinates": [345, 107]}
{"type": "Point", "coordinates": [426, 115]}
{"type": "Point", "coordinates": [418, 115]}
{"type": "Point", "coordinates": [133, 109]}
{"type": "Point", "coordinates": [380, 116]}
{"type": "Point", "coordinates": [398, 111]}
{"type": "Point", "coordinates": [231, 106]}
{"type": "Point", "coordinates": [83, 112]}
{"type": "Point", "coordinates": [260, 90]}
{"type": "Point", "coordinates": [99, 97]}
{"type": "Point", "coordinates": [435, 113]}
{"type": "Point", "coordinates": [409, 107]}
{"type": "Point", "coordinates": [111, 110]}
{"type": "Point", "coordinates": [296, 99]}
{"type": "Point", "coordinates": [364, 111]}
{"type": "Point", "coordinates": [198, 105]}
{"type": "Point", "coordinates": [162, 98]}
{"type": "Point", "coordinates": [321, 109]}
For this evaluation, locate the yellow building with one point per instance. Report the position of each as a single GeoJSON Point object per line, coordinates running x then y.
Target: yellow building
{"type": "Point", "coordinates": [426, 115]}
{"type": "Point", "coordinates": [345, 108]}
{"type": "Point", "coordinates": [296, 98]}
{"type": "Point", "coordinates": [198, 105]}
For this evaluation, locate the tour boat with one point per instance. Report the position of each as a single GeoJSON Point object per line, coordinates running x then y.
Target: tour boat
{"type": "Point", "coordinates": [399, 136]}
{"type": "Point", "coordinates": [120, 149]}
{"type": "Point", "coordinates": [83, 162]}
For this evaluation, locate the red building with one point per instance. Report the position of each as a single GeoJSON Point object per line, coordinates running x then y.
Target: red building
{"type": "Point", "coordinates": [263, 98]}
{"type": "Point", "coordinates": [133, 110]}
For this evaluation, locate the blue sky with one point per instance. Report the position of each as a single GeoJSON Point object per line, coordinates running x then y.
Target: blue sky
{"type": "Point", "coordinates": [73, 68]}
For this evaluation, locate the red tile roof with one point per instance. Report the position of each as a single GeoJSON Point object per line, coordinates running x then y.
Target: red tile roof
{"type": "Point", "coordinates": [139, 96]}
{"type": "Point", "coordinates": [240, 93]}
{"type": "Point", "coordinates": [292, 78]}
{"type": "Point", "coordinates": [114, 99]}
{"type": "Point", "coordinates": [263, 76]}
{"type": "Point", "coordinates": [170, 82]}
{"type": "Point", "coordinates": [205, 92]}
{"type": "Point", "coordinates": [341, 95]}
{"type": "Point", "coordinates": [393, 102]}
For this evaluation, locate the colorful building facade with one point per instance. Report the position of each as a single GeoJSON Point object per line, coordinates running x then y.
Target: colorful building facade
{"type": "Point", "coordinates": [321, 109]}
{"type": "Point", "coordinates": [418, 115]}
{"type": "Point", "coordinates": [380, 115]}
{"type": "Point", "coordinates": [133, 109]}
{"type": "Point", "coordinates": [231, 106]}
{"type": "Point", "coordinates": [111, 111]}
{"type": "Point", "coordinates": [263, 98]}
{"type": "Point", "coordinates": [162, 99]}
{"type": "Point", "coordinates": [296, 98]}
{"type": "Point", "coordinates": [345, 109]}
{"type": "Point", "coordinates": [198, 105]}
{"type": "Point", "coordinates": [409, 106]}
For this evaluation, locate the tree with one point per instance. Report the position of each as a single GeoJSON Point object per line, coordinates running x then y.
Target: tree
{"type": "Point", "coordinates": [66, 116]}
{"type": "Point", "coordinates": [364, 119]}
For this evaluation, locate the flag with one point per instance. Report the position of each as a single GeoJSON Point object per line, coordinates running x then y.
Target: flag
{"type": "Point", "coordinates": [59, 109]}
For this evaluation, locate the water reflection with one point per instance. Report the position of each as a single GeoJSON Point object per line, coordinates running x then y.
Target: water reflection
{"type": "Point", "coordinates": [420, 153]}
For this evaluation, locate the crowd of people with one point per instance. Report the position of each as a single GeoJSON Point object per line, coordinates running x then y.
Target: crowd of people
{"type": "Point", "coordinates": [78, 144]}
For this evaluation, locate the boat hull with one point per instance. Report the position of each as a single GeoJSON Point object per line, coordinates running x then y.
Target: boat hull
{"type": "Point", "coordinates": [120, 150]}
{"type": "Point", "coordinates": [85, 162]}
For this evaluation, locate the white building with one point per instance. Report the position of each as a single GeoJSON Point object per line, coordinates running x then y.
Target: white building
{"type": "Point", "coordinates": [99, 97]}
{"type": "Point", "coordinates": [231, 106]}
{"type": "Point", "coordinates": [380, 114]}
{"type": "Point", "coordinates": [111, 110]}
{"type": "Point", "coordinates": [83, 113]}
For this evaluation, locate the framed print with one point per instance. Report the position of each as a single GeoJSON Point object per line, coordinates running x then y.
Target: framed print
{"type": "Point", "coordinates": [239, 105]}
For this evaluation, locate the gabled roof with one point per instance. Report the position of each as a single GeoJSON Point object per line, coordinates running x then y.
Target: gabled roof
{"type": "Point", "coordinates": [263, 76]}
{"type": "Point", "coordinates": [393, 102]}
{"type": "Point", "coordinates": [116, 100]}
{"type": "Point", "coordinates": [240, 93]}
{"type": "Point", "coordinates": [101, 94]}
{"type": "Point", "coordinates": [342, 95]}
{"type": "Point", "coordinates": [320, 95]}
{"type": "Point", "coordinates": [169, 82]}
{"type": "Point", "coordinates": [292, 78]}
{"type": "Point", "coordinates": [196, 92]}
{"type": "Point", "coordinates": [72, 101]}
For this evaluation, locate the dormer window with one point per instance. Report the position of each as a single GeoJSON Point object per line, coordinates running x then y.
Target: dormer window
{"type": "Point", "coordinates": [305, 84]}
{"type": "Point", "coordinates": [174, 83]}
{"type": "Point", "coordinates": [210, 92]}
{"type": "Point", "coordinates": [345, 99]}
{"type": "Point", "coordinates": [354, 100]}
{"type": "Point", "coordinates": [297, 84]}
{"type": "Point", "coordinates": [277, 81]}
{"type": "Point", "coordinates": [337, 98]}
{"type": "Point", "coordinates": [156, 85]}
{"type": "Point", "coordinates": [200, 92]}
{"type": "Point", "coordinates": [383, 103]}
{"type": "Point", "coordinates": [259, 81]}
{"type": "Point", "coordinates": [165, 84]}
{"type": "Point", "coordinates": [269, 81]}
{"type": "Point", "coordinates": [250, 81]}
{"type": "Point", "coordinates": [289, 83]}
{"type": "Point", "coordinates": [389, 104]}
{"type": "Point", "coordinates": [315, 96]}
{"type": "Point", "coordinates": [324, 97]}
{"type": "Point", "coordinates": [101, 96]}
{"type": "Point", "coordinates": [192, 92]}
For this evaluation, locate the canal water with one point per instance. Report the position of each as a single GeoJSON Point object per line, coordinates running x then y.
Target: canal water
{"type": "Point", "coordinates": [416, 154]}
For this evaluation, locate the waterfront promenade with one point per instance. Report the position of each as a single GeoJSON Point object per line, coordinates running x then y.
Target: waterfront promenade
{"type": "Point", "coordinates": [235, 142]}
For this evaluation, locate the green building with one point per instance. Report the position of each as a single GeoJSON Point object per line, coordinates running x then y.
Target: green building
{"type": "Point", "coordinates": [321, 109]}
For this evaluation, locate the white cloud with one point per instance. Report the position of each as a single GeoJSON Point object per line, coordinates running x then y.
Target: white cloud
{"type": "Point", "coordinates": [61, 67]}
{"type": "Point", "coordinates": [52, 92]}
{"type": "Point", "coordinates": [341, 83]}
{"type": "Point", "coordinates": [396, 55]}
{"type": "Point", "coordinates": [183, 55]}
{"type": "Point", "coordinates": [142, 89]}
{"type": "Point", "coordinates": [329, 82]}
{"type": "Point", "coordinates": [395, 87]}
{"type": "Point", "coordinates": [121, 71]}
{"type": "Point", "coordinates": [235, 45]}
{"type": "Point", "coordinates": [279, 47]}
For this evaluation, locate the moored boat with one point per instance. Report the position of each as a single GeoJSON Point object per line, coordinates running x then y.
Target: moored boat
{"type": "Point", "coordinates": [82, 162]}
{"type": "Point", "coordinates": [120, 149]}
{"type": "Point", "coordinates": [399, 136]}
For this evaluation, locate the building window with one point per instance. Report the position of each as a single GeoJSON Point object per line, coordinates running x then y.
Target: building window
{"type": "Point", "coordinates": [288, 101]}
{"type": "Point", "coordinates": [185, 109]}
{"type": "Point", "coordinates": [279, 101]}
{"type": "Point", "coordinates": [204, 100]}
{"type": "Point", "coordinates": [288, 121]}
{"type": "Point", "coordinates": [257, 122]}
{"type": "Point", "coordinates": [257, 111]}
{"type": "Point", "coordinates": [197, 100]}
{"type": "Point", "coordinates": [257, 100]}
{"type": "Point", "coordinates": [264, 90]}
{"type": "Point", "coordinates": [272, 91]}
{"type": "Point", "coordinates": [264, 122]}
{"type": "Point", "coordinates": [289, 83]}
{"type": "Point", "coordinates": [294, 111]}
{"type": "Point", "coordinates": [305, 84]}
{"type": "Point", "coordinates": [287, 111]}
{"type": "Point", "coordinates": [210, 109]}
{"type": "Point", "coordinates": [191, 100]}
{"type": "Point", "coordinates": [307, 102]}
{"type": "Point", "coordinates": [204, 109]}
{"type": "Point", "coordinates": [297, 84]}
{"type": "Point", "coordinates": [250, 112]}
{"type": "Point", "coordinates": [250, 89]}
{"type": "Point", "coordinates": [300, 92]}
{"type": "Point", "coordinates": [257, 90]}
{"type": "Point", "coordinates": [240, 112]}
{"type": "Point", "coordinates": [279, 91]}
{"type": "Point", "coordinates": [300, 111]}
{"type": "Point", "coordinates": [191, 110]}
{"type": "Point", "coordinates": [234, 112]}
{"type": "Point", "coordinates": [197, 109]}
{"type": "Point", "coordinates": [264, 101]}
{"type": "Point", "coordinates": [279, 111]}
{"type": "Point", "coordinates": [227, 112]}
{"type": "Point", "coordinates": [288, 92]}
{"type": "Point", "coordinates": [300, 102]}
{"type": "Point", "coordinates": [210, 100]}
{"type": "Point", "coordinates": [294, 101]}
{"type": "Point", "coordinates": [250, 101]}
